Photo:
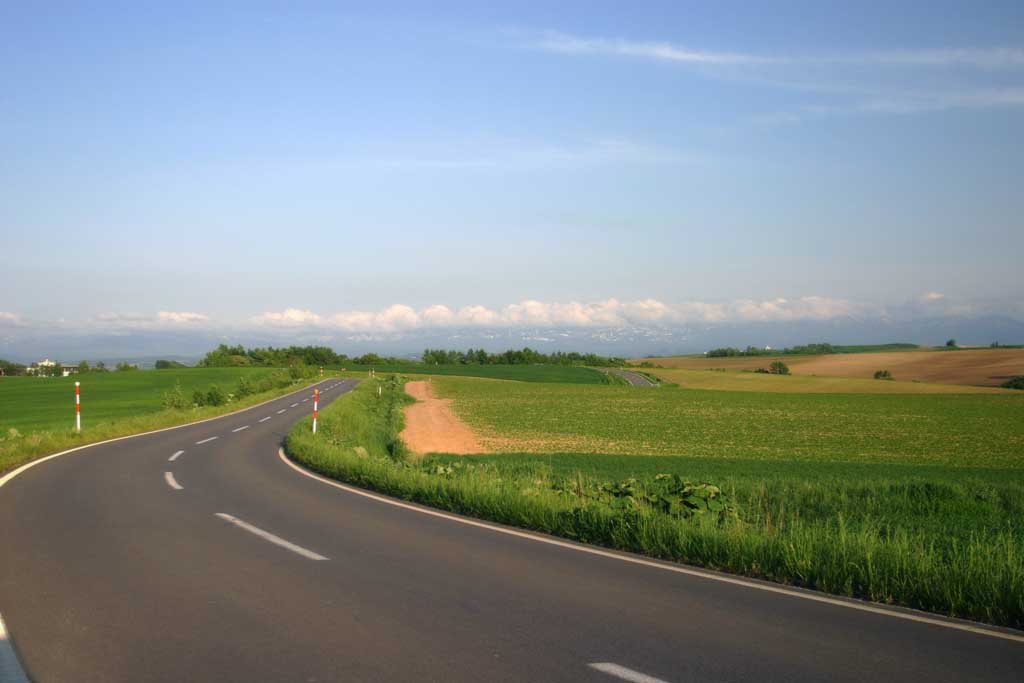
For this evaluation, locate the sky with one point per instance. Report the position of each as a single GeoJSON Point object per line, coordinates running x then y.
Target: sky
{"type": "Point", "coordinates": [386, 167]}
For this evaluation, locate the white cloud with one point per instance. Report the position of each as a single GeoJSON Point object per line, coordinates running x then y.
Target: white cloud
{"type": "Point", "coordinates": [8, 318]}
{"type": "Point", "coordinates": [610, 313]}
{"type": "Point", "coordinates": [290, 317]}
{"type": "Point", "coordinates": [552, 41]}
{"type": "Point", "coordinates": [975, 57]}
{"type": "Point", "coordinates": [181, 317]}
{"type": "Point", "coordinates": [933, 296]}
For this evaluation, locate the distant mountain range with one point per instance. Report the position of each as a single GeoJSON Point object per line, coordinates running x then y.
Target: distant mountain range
{"type": "Point", "coordinates": [146, 346]}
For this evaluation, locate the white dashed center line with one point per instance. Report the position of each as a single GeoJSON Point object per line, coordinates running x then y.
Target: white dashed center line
{"type": "Point", "coordinates": [625, 674]}
{"type": "Point", "coordinates": [239, 429]}
{"type": "Point", "coordinates": [169, 478]}
{"type": "Point", "coordinates": [293, 405]}
{"type": "Point", "coordinates": [265, 419]}
{"type": "Point", "coordinates": [267, 536]}
{"type": "Point", "coordinates": [281, 411]}
{"type": "Point", "coordinates": [175, 456]}
{"type": "Point", "coordinates": [200, 443]}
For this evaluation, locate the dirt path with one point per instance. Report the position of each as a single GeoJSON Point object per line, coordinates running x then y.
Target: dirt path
{"type": "Point", "coordinates": [432, 427]}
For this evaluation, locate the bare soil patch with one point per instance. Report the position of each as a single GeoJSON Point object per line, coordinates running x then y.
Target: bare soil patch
{"type": "Point", "coordinates": [432, 427]}
{"type": "Point", "coordinates": [981, 367]}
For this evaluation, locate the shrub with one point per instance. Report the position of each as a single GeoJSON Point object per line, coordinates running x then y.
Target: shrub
{"type": "Point", "coordinates": [1014, 383]}
{"type": "Point", "coordinates": [883, 374]}
{"type": "Point", "coordinates": [951, 343]}
{"type": "Point", "coordinates": [778, 368]}
{"type": "Point", "coordinates": [245, 387]}
{"type": "Point", "coordinates": [175, 398]}
{"type": "Point", "coordinates": [216, 396]}
{"type": "Point", "coordinates": [198, 398]}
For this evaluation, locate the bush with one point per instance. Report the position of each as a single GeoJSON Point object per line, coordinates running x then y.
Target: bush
{"type": "Point", "coordinates": [778, 368]}
{"type": "Point", "coordinates": [951, 344]}
{"type": "Point", "coordinates": [883, 374]}
{"type": "Point", "coordinates": [245, 387]}
{"type": "Point", "coordinates": [1014, 383]}
{"type": "Point", "coordinates": [198, 398]}
{"type": "Point", "coordinates": [216, 396]}
{"type": "Point", "coordinates": [175, 398]}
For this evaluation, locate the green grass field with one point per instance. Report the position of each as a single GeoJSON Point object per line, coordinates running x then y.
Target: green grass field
{"type": "Point", "coordinates": [733, 380]}
{"type": "Point", "coordinates": [37, 414]}
{"type": "Point", "coordinates": [960, 430]}
{"type": "Point", "coordinates": [931, 520]}
{"type": "Point", "coordinates": [40, 403]}
{"type": "Point", "coordinates": [565, 374]}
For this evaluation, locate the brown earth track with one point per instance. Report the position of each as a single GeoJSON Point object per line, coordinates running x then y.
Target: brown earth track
{"type": "Point", "coordinates": [980, 367]}
{"type": "Point", "coordinates": [432, 427]}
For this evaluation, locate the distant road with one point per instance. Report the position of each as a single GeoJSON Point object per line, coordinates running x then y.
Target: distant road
{"type": "Point", "coordinates": [634, 378]}
{"type": "Point", "coordinates": [200, 554]}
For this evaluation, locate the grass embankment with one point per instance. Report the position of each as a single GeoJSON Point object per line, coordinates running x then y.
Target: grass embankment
{"type": "Point", "coordinates": [934, 537]}
{"type": "Point", "coordinates": [565, 374]}
{"type": "Point", "coordinates": [37, 414]}
{"type": "Point", "coordinates": [738, 380]}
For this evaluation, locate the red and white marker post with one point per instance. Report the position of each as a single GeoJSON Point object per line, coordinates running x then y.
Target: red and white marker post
{"type": "Point", "coordinates": [316, 399]}
{"type": "Point", "coordinates": [78, 408]}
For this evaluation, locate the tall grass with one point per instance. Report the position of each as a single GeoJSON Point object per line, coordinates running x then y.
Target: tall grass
{"type": "Point", "coordinates": [796, 535]}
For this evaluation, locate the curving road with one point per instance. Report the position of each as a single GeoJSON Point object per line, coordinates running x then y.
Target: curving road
{"type": "Point", "coordinates": [200, 554]}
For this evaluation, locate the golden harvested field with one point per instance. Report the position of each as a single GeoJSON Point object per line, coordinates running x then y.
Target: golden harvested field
{"type": "Point", "coordinates": [975, 367]}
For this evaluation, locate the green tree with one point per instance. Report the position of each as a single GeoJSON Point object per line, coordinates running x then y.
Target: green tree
{"type": "Point", "coordinates": [778, 368]}
{"type": "Point", "coordinates": [951, 343]}
{"type": "Point", "coordinates": [83, 367]}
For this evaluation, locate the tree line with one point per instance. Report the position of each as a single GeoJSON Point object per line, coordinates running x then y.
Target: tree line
{"type": "Point", "coordinates": [524, 356]}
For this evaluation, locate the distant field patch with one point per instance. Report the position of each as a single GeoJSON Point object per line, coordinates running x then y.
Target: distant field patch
{"type": "Point", "coordinates": [956, 429]}
{"type": "Point", "coordinates": [981, 367]}
{"type": "Point", "coordinates": [739, 380]}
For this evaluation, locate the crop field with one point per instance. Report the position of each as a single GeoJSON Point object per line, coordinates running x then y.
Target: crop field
{"type": "Point", "coordinates": [565, 374]}
{"type": "Point", "coordinates": [39, 403]}
{"type": "Point", "coordinates": [959, 430]}
{"type": "Point", "coordinates": [733, 380]}
{"type": "Point", "coordinates": [981, 367]}
{"type": "Point", "coordinates": [37, 414]}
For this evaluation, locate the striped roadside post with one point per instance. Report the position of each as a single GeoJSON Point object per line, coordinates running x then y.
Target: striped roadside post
{"type": "Point", "coordinates": [316, 399]}
{"type": "Point", "coordinates": [78, 408]}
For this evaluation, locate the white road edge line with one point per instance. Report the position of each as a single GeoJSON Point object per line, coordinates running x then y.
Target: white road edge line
{"type": "Point", "coordinates": [169, 478]}
{"type": "Point", "coordinates": [267, 536]}
{"type": "Point", "coordinates": [265, 419]}
{"type": "Point", "coordinates": [624, 673]}
{"type": "Point", "coordinates": [175, 456]}
{"type": "Point", "coordinates": [200, 443]}
{"type": "Point", "coordinates": [10, 668]}
{"type": "Point", "coordinates": [678, 569]}
{"type": "Point", "coordinates": [239, 429]}
{"type": "Point", "coordinates": [281, 411]}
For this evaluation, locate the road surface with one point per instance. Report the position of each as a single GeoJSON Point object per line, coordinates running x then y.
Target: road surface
{"type": "Point", "coordinates": [200, 554]}
{"type": "Point", "coordinates": [634, 378]}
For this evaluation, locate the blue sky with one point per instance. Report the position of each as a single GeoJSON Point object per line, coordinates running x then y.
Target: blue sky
{"type": "Point", "coordinates": [407, 166]}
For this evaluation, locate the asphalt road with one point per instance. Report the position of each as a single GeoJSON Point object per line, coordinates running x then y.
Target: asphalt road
{"type": "Point", "coordinates": [228, 564]}
{"type": "Point", "coordinates": [634, 378]}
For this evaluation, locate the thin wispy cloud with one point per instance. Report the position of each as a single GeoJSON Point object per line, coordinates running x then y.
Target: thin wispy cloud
{"type": "Point", "coordinates": [980, 58]}
{"type": "Point", "coordinates": [865, 82]}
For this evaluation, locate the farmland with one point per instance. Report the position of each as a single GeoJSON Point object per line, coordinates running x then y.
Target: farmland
{"type": "Point", "coordinates": [908, 499]}
{"type": "Point", "coordinates": [980, 367]}
{"type": "Point", "coordinates": [959, 430]}
{"type": "Point", "coordinates": [37, 413]}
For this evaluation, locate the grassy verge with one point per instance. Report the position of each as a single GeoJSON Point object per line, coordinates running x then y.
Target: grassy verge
{"type": "Point", "coordinates": [942, 539]}
{"type": "Point", "coordinates": [17, 448]}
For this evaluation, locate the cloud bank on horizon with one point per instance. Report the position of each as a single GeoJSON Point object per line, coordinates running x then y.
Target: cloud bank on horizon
{"type": "Point", "coordinates": [609, 313]}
